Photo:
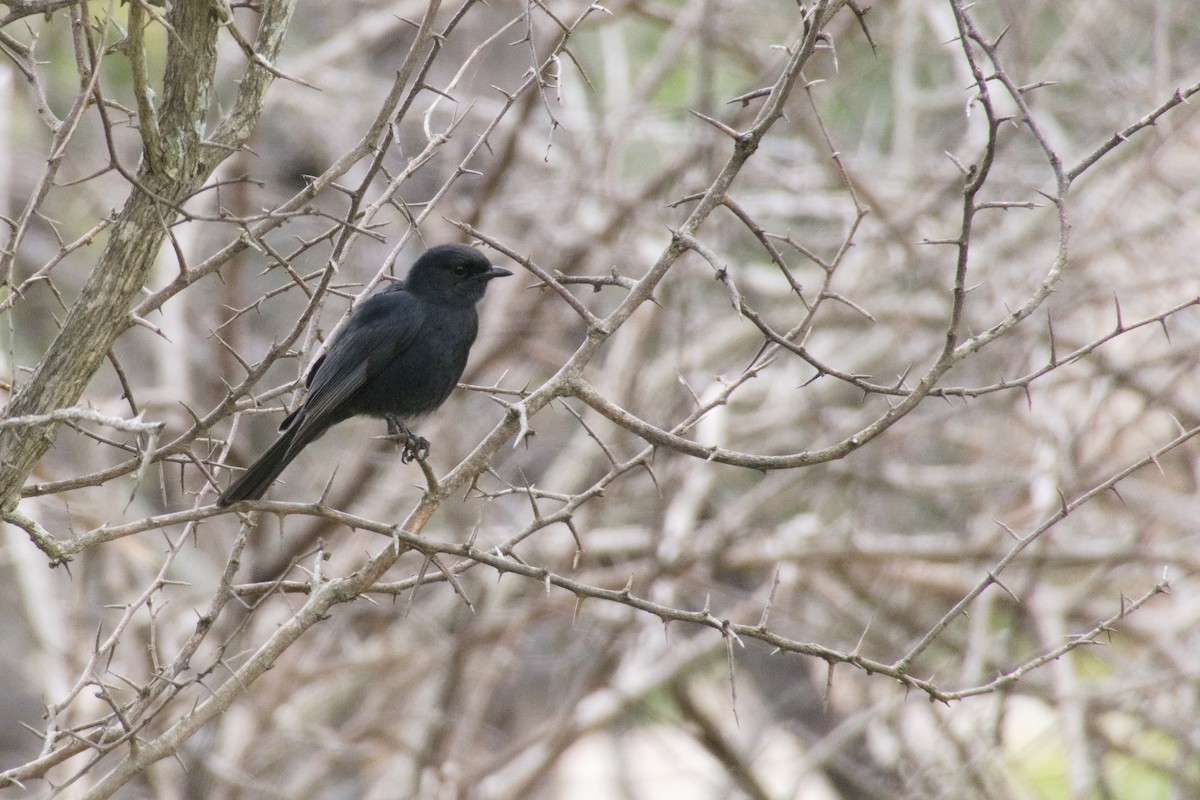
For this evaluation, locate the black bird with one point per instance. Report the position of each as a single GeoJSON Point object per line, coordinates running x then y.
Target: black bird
{"type": "Point", "coordinates": [398, 357]}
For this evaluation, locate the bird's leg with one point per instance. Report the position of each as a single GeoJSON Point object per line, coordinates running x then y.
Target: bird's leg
{"type": "Point", "coordinates": [412, 447]}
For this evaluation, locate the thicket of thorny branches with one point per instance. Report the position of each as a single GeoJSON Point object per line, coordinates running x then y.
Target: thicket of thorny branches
{"type": "Point", "coordinates": [850, 365]}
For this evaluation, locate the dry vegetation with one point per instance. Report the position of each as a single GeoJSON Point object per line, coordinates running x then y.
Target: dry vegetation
{"type": "Point", "coordinates": [836, 440]}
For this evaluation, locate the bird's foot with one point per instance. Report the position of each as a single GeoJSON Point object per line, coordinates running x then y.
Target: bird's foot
{"type": "Point", "coordinates": [412, 447]}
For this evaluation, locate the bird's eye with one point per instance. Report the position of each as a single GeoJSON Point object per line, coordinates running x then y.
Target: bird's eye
{"type": "Point", "coordinates": [460, 269]}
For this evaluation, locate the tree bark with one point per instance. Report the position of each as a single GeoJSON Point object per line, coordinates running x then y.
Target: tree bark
{"type": "Point", "coordinates": [174, 166]}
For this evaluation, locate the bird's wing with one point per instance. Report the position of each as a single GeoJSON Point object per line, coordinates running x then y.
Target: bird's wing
{"type": "Point", "coordinates": [382, 328]}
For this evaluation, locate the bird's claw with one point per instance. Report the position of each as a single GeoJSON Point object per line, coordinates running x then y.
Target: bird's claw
{"type": "Point", "coordinates": [413, 448]}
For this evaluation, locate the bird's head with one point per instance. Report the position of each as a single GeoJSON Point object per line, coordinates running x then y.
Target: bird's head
{"type": "Point", "coordinates": [452, 273]}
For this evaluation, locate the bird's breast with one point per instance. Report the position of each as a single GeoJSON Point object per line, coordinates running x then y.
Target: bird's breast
{"type": "Point", "coordinates": [418, 378]}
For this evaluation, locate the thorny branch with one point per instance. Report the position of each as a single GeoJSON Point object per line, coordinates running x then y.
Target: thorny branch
{"type": "Point", "coordinates": [702, 435]}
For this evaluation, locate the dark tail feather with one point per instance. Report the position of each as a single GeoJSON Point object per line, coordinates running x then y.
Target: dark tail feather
{"type": "Point", "coordinates": [255, 481]}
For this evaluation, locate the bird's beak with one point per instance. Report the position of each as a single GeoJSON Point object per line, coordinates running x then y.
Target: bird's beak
{"type": "Point", "coordinates": [495, 272]}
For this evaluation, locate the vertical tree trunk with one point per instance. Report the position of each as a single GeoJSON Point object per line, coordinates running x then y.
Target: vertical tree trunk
{"type": "Point", "coordinates": [176, 162]}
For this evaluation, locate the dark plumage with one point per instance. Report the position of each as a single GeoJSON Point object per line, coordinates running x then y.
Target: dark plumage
{"type": "Point", "coordinates": [398, 357]}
